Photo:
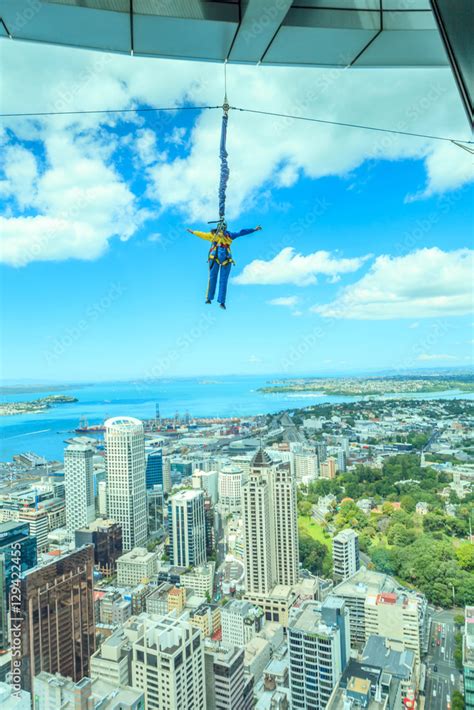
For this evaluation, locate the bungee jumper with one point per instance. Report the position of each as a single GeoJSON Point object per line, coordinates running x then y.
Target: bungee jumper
{"type": "Point", "coordinates": [220, 256]}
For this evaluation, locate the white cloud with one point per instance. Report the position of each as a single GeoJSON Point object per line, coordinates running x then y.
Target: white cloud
{"type": "Point", "coordinates": [21, 172]}
{"type": "Point", "coordinates": [289, 267]}
{"type": "Point", "coordinates": [428, 357]}
{"type": "Point", "coordinates": [70, 209]}
{"type": "Point", "coordinates": [426, 283]}
{"type": "Point", "coordinates": [414, 325]}
{"type": "Point", "coordinates": [286, 301]}
{"type": "Point", "coordinates": [264, 152]}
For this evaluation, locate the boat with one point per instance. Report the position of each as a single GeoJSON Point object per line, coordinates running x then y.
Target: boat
{"type": "Point", "coordinates": [86, 428]}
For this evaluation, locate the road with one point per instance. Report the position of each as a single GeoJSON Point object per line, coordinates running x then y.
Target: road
{"type": "Point", "coordinates": [441, 683]}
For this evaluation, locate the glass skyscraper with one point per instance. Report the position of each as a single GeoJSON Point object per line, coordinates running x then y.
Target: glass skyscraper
{"type": "Point", "coordinates": [154, 468]}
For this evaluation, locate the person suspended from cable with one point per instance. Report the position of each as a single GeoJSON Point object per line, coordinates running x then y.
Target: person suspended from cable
{"type": "Point", "coordinates": [220, 258]}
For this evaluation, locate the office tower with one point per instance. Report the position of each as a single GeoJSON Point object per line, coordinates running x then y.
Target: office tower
{"type": "Point", "coordinates": [126, 492]}
{"type": "Point", "coordinates": [210, 522]}
{"type": "Point", "coordinates": [168, 663]}
{"type": "Point", "coordinates": [341, 460]}
{"type": "Point", "coordinates": [345, 555]}
{"type": "Point", "coordinates": [166, 474]}
{"type": "Point", "coordinates": [240, 622]}
{"type": "Point", "coordinates": [18, 546]}
{"type": "Point", "coordinates": [270, 526]}
{"type": "Point", "coordinates": [468, 656]}
{"type": "Point", "coordinates": [364, 584]}
{"type": "Point", "coordinates": [79, 486]}
{"type": "Point", "coordinates": [318, 643]}
{"type": "Point", "coordinates": [102, 498]}
{"type": "Point", "coordinates": [306, 466]}
{"type": "Point", "coordinates": [52, 617]}
{"type": "Point", "coordinates": [106, 537]}
{"type": "Point", "coordinates": [37, 519]}
{"type": "Point", "coordinates": [322, 452]}
{"type": "Point", "coordinates": [155, 502]}
{"type": "Point", "coordinates": [328, 468]}
{"type": "Point", "coordinates": [187, 528]}
{"type": "Point", "coordinates": [17, 552]}
{"type": "Point", "coordinates": [230, 489]}
{"type": "Point", "coordinates": [206, 481]}
{"type": "Point", "coordinates": [154, 468]}
{"type": "Point", "coordinates": [227, 687]}
{"type": "Point", "coordinates": [395, 616]}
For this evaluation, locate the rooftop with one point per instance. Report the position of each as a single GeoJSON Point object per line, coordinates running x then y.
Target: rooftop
{"type": "Point", "coordinates": [377, 652]}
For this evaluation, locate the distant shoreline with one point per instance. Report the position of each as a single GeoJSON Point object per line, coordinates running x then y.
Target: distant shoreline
{"type": "Point", "coordinates": [8, 409]}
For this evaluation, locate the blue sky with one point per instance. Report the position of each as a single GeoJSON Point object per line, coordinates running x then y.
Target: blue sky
{"type": "Point", "coordinates": [364, 259]}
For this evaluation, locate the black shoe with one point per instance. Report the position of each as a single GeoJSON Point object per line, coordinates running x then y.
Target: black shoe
{"type": "Point", "coordinates": [222, 305]}
{"type": "Point", "coordinates": [208, 301]}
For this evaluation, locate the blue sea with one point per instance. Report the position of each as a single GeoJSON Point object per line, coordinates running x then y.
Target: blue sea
{"type": "Point", "coordinates": [44, 433]}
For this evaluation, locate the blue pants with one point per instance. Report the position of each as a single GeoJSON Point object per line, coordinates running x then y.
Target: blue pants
{"type": "Point", "coordinates": [214, 268]}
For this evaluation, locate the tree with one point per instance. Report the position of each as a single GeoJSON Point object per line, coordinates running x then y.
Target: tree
{"type": "Point", "coordinates": [459, 619]}
{"type": "Point", "coordinates": [408, 503]}
{"type": "Point", "coordinates": [384, 559]}
{"type": "Point", "coordinates": [312, 554]}
{"type": "Point", "coordinates": [457, 701]}
{"type": "Point", "coordinates": [399, 535]}
{"type": "Point", "coordinates": [465, 556]}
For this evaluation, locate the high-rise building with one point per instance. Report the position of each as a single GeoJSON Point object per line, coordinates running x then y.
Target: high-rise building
{"type": "Point", "coordinates": [106, 537]}
{"type": "Point", "coordinates": [346, 559]}
{"type": "Point", "coordinates": [79, 486]}
{"type": "Point", "coordinates": [155, 502]}
{"type": "Point", "coordinates": [341, 460]}
{"type": "Point", "coordinates": [52, 618]}
{"type": "Point", "coordinates": [230, 489]}
{"type": "Point", "coordinates": [318, 643]}
{"type": "Point", "coordinates": [17, 551]}
{"type": "Point", "coordinates": [126, 491]}
{"type": "Point", "coordinates": [240, 622]}
{"type": "Point", "coordinates": [366, 584]}
{"type": "Point", "coordinates": [206, 481]}
{"type": "Point", "coordinates": [322, 452]}
{"type": "Point", "coordinates": [154, 468]}
{"type": "Point", "coordinates": [18, 546]}
{"type": "Point", "coordinates": [102, 498]}
{"type": "Point", "coordinates": [306, 466]}
{"type": "Point", "coordinates": [37, 519]}
{"type": "Point", "coordinates": [166, 474]}
{"type": "Point", "coordinates": [328, 468]}
{"type": "Point", "coordinates": [468, 657]}
{"type": "Point", "coordinates": [227, 687]}
{"type": "Point", "coordinates": [187, 528]}
{"type": "Point", "coordinates": [395, 616]}
{"type": "Point", "coordinates": [168, 663]}
{"type": "Point", "coordinates": [270, 525]}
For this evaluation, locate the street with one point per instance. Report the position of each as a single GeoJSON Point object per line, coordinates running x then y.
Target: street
{"type": "Point", "coordinates": [441, 683]}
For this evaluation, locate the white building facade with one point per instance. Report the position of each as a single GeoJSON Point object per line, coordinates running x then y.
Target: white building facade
{"type": "Point", "coordinates": [126, 489]}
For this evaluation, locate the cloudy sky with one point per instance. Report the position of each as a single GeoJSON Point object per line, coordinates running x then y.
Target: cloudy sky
{"type": "Point", "coordinates": [364, 261]}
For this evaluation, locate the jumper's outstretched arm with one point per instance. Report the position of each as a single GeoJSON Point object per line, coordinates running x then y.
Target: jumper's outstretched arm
{"type": "Point", "coordinates": [208, 236]}
{"type": "Point", "coordinates": [244, 232]}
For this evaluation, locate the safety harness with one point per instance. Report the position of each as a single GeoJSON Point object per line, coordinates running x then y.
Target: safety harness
{"type": "Point", "coordinates": [213, 255]}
